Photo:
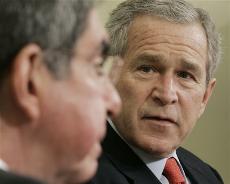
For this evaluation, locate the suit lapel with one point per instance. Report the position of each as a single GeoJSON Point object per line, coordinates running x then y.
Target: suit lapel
{"type": "Point", "coordinates": [195, 169]}
{"type": "Point", "coordinates": [126, 161]}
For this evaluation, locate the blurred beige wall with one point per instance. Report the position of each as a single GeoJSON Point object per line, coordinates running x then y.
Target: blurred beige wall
{"type": "Point", "coordinates": [210, 139]}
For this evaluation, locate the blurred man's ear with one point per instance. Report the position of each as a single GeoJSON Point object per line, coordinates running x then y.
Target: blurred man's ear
{"type": "Point", "coordinates": [22, 84]}
{"type": "Point", "coordinates": [207, 95]}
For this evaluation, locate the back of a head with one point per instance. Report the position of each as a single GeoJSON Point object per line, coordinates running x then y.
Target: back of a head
{"type": "Point", "coordinates": [54, 25]}
{"type": "Point", "coordinates": [176, 11]}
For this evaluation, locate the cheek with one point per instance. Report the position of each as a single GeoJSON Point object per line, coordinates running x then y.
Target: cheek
{"type": "Point", "coordinates": [69, 134]}
{"type": "Point", "coordinates": [133, 93]}
{"type": "Point", "coordinates": [130, 104]}
{"type": "Point", "coordinates": [190, 108]}
{"type": "Point", "coordinates": [88, 124]}
{"type": "Point", "coordinates": [72, 125]}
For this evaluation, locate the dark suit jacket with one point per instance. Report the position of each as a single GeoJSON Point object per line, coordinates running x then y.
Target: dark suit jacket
{"type": "Point", "coordinates": [10, 178]}
{"type": "Point", "coordinates": [120, 165]}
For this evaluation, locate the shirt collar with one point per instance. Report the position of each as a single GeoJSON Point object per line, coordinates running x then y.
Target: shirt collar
{"type": "Point", "coordinates": [156, 165]}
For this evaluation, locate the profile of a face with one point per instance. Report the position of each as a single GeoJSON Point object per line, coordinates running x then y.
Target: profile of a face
{"type": "Point", "coordinates": [162, 84]}
{"type": "Point", "coordinates": [74, 110]}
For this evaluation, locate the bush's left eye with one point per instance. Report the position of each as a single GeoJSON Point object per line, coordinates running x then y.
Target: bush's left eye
{"type": "Point", "coordinates": [146, 69]}
{"type": "Point", "coordinates": [185, 75]}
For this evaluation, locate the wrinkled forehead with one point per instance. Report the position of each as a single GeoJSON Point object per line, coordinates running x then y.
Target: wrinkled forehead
{"type": "Point", "coordinates": [148, 31]}
{"type": "Point", "coordinates": [155, 27]}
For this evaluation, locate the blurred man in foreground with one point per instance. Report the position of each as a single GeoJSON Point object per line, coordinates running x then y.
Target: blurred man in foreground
{"type": "Point", "coordinates": [55, 96]}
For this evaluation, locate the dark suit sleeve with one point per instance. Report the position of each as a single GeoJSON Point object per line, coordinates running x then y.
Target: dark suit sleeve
{"type": "Point", "coordinates": [217, 175]}
{"type": "Point", "coordinates": [10, 178]}
{"type": "Point", "coordinates": [107, 173]}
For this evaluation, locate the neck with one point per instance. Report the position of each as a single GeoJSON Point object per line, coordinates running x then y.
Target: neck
{"type": "Point", "coordinates": [23, 154]}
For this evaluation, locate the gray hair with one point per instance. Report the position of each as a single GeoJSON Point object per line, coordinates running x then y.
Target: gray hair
{"type": "Point", "coordinates": [177, 11]}
{"type": "Point", "coordinates": [54, 25]}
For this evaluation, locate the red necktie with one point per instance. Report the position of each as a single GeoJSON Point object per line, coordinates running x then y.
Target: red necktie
{"type": "Point", "coordinates": [172, 172]}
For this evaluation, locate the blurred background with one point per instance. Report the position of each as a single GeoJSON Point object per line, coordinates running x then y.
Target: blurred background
{"type": "Point", "coordinates": [210, 140]}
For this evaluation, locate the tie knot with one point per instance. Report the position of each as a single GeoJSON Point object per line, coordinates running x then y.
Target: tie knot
{"type": "Point", "coordinates": [172, 172]}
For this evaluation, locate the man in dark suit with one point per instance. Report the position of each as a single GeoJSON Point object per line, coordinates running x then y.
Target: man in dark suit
{"type": "Point", "coordinates": [170, 51]}
{"type": "Point", "coordinates": [51, 58]}
{"type": "Point", "coordinates": [119, 164]}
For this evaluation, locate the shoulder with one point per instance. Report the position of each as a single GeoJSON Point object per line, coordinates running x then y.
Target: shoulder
{"type": "Point", "coordinates": [108, 173]}
{"type": "Point", "coordinates": [10, 178]}
{"type": "Point", "coordinates": [194, 164]}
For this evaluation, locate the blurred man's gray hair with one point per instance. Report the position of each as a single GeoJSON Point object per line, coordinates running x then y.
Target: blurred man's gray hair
{"type": "Point", "coordinates": [54, 25]}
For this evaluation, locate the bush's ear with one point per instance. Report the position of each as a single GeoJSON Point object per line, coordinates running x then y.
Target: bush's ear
{"type": "Point", "coordinates": [207, 95]}
{"type": "Point", "coordinates": [22, 84]}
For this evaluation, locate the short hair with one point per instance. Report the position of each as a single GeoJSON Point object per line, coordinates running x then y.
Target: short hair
{"type": "Point", "coordinates": [54, 25]}
{"type": "Point", "coordinates": [178, 11]}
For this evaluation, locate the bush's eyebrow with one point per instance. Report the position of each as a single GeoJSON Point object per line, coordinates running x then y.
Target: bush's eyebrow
{"type": "Point", "coordinates": [191, 66]}
{"type": "Point", "coordinates": [147, 58]}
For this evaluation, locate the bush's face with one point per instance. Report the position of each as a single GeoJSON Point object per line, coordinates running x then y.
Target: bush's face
{"type": "Point", "coordinates": [162, 83]}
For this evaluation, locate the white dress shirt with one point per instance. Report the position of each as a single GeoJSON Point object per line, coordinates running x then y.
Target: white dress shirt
{"type": "Point", "coordinates": [155, 165]}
